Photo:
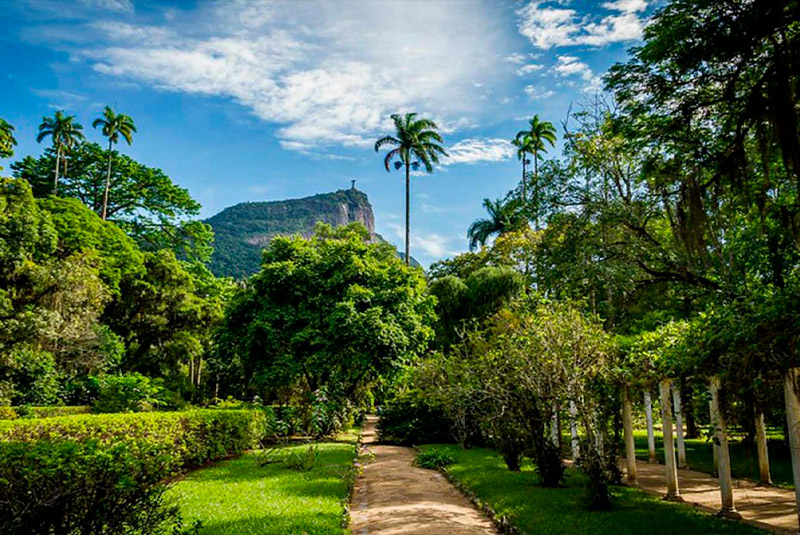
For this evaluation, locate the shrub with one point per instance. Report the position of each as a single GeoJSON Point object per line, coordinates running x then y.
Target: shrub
{"type": "Point", "coordinates": [127, 393]}
{"type": "Point", "coordinates": [98, 474]}
{"type": "Point", "coordinates": [412, 419]}
{"type": "Point", "coordinates": [7, 413]}
{"type": "Point", "coordinates": [71, 487]}
{"type": "Point", "coordinates": [434, 458]}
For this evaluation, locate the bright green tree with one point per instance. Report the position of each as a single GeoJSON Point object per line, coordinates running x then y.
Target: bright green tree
{"type": "Point", "coordinates": [113, 126]}
{"type": "Point", "coordinates": [333, 312]}
{"type": "Point", "coordinates": [415, 142]}
{"type": "Point", "coordinates": [65, 132]}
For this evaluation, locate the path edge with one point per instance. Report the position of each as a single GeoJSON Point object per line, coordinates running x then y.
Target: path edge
{"type": "Point", "coordinates": [501, 522]}
{"type": "Point", "coordinates": [356, 470]}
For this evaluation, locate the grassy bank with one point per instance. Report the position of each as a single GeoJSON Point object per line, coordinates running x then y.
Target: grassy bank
{"type": "Point", "coordinates": [744, 460]}
{"type": "Point", "coordinates": [240, 497]}
{"type": "Point", "coordinates": [536, 510]}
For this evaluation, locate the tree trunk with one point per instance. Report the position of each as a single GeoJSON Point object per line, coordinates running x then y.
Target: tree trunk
{"type": "Point", "coordinates": [108, 184]}
{"type": "Point", "coordinates": [58, 161]}
{"type": "Point", "coordinates": [524, 183]}
{"type": "Point", "coordinates": [408, 210]}
{"type": "Point", "coordinates": [536, 191]}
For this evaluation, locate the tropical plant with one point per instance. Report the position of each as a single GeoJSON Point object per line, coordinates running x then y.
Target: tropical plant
{"type": "Point", "coordinates": [503, 216]}
{"type": "Point", "coordinates": [533, 141]}
{"type": "Point", "coordinates": [113, 126]}
{"type": "Point", "coordinates": [7, 139]}
{"type": "Point", "coordinates": [64, 132]}
{"type": "Point", "coordinates": [415, 143]}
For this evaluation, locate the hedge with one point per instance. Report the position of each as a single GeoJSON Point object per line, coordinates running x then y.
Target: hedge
{"type": "Point", "coordinates": [11, 413]}
{"type": "Point", "coordinates": [104, 474]}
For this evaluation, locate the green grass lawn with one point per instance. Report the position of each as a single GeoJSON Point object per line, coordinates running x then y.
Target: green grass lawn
{"type": "Point", "coordinates": [536, 510]}
{"type": "Point", "coordinates": [744, 460]}
{"type": "Point", "coordinates": [240, 497]}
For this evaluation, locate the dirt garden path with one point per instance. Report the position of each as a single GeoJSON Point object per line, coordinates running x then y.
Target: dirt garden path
{"type": "Point", "coordinates": [394, 497]}
{"type": "Point", "coordinates": [772, 508]}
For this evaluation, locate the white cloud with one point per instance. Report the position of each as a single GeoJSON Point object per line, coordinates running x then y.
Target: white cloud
{"type": "Point", "coordinates": [547, 25]}
{"type": "Point", "coordinates": [431, 244]}
{"type": "Point", "coordinates": [572, 66]}
{"type": "Point", "coordinates": [626, 6]}
{"type": "Point", "coordinates": [538, 93]}
{"type": "Point", "coordinates": [529, 68]}
{"type": "Point", "coordinates": [122, 6]}
{"type": "Point", "coordinates": [516, 57]}
{"type": "Point", "coordinates": [324, 73]}
{"type": "Point", "coordinates": [476, 150]}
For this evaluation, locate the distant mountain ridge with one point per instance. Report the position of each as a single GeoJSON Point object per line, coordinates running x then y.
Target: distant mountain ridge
{"type": "Point", "coordinates": [243, 230]}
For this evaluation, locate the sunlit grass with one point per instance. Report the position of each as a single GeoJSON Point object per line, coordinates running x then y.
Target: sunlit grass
{"type": "Point", "coordinates": [240, 497]}
{"type": "Point", "coordinates": [537, 510]}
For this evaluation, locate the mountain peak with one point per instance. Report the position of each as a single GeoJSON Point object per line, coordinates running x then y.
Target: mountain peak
{"type": "Point", "coordinates": [241, 231]}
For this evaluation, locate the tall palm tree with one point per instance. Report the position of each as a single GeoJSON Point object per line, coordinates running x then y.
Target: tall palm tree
{"type": "Point", "coordinates": [502, 217]}
{"type": "Point", "coordinates": [539, 133]}
{"type": "Point", "coordinates": [7, 139]}
{"type": "Point", "coordinates": [64, 131]}
{"type": "Point", "coordinates": [114, 125]}
{"type": "Point", "coordinates": [415, 143]}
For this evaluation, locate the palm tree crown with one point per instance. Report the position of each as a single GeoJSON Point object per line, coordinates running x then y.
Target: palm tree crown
{"type": "Point", "coordinates": [64, 131]}
{"type": "Point", "coordinates": [7, 139]}
{"type": "Point", "coordinates": [415, 142]}
{"type": "Point", "coordinates": [113, 126]}
{"type": "Point", "coordinates": [502, 217]}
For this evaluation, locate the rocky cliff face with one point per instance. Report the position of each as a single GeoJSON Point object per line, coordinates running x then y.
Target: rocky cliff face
{"type": "Point", "coordinates": [241, 231]}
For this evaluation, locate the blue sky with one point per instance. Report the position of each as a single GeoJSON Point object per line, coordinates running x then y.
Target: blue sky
{"type": "Point", "coordinates": [253, 100]}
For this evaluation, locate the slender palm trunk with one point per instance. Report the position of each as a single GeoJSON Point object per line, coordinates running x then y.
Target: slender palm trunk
{"type": "Point", "coordinates": [408, 210]}
{"type": "Point", "coordinates": [108, 182]}
{"type": "Point", "coordinates": [536, 191]}
{"type": "Point", "coordinates": [58, 161]}
{"type": "Point", "coordinates": [524, 184]}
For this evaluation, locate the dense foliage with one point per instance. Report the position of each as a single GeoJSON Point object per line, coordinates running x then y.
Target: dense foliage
{"type": "Point", "coordinates": [326, 317]}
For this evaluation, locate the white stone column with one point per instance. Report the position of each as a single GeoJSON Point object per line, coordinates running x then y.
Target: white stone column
{"type": "Point", "coordinates": [555, 428]}
{"type": "Point", "coordinates": [793, 426]}
{"type": "Point", "coordinates": [651, 438]}
{"type": "Point", "coordinates": [676, 398]}
{"type": "Point", "coordinates": [763, 453]}
{"type": "Point", "coordinates": [630, 447]}
{"type": "Point", "coordinates": [673, 491]}
{"type": "Point", "coordinates": [728, 509]}
{"type": "Point", "coordinates": [573, 429]}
